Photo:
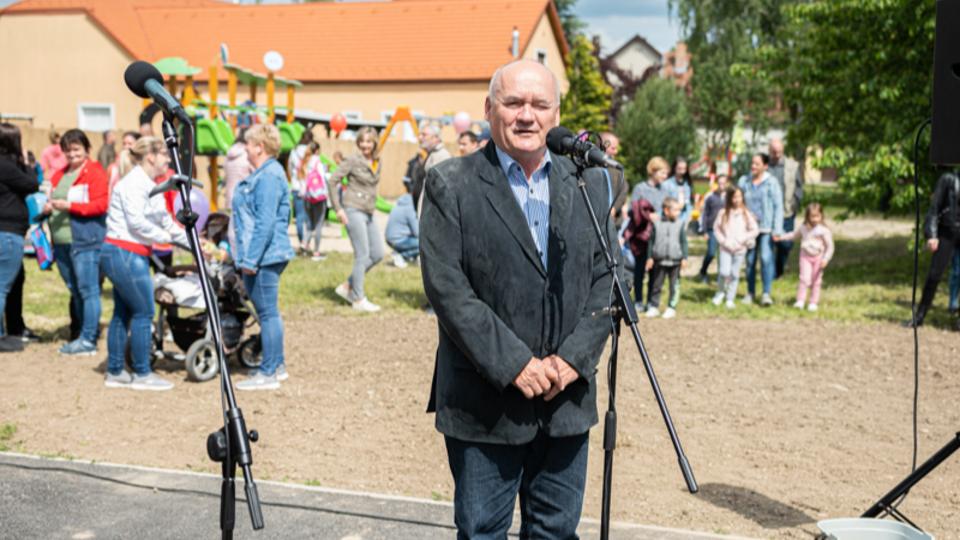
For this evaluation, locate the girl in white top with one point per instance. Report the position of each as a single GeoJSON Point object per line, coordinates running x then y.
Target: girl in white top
{"type": "Point", "coordinates": [135, 221]}
{"type": "Point", "coordinates": [736, 231]}
{"type": "Point", "coordinates": [816, 250]}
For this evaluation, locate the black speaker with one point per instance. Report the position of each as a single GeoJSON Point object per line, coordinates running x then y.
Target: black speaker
{"type": "Point", "coordinates": [945, 143]}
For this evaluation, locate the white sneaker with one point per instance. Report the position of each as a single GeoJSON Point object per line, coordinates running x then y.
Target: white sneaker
{"type": "Point", "coordinates": [343, 291]}
{"type": "Point", "coordinates": [281, 373]}
{"type": "Point", "coordinates": [653, 312]}
{"type": "Point", "coordinates": [731, 304]}
{"type": "Point", "coordinates": [121, 380]}
{"type": "Point", "coordinates": [799, 304]}
{"type": "Point", "coordinates": [399, 261]}
{"type": "Point", "coordinates": [259, 382]}
{"type": "Point", "coordinates": [812, 307]}
{"type": "Point", "coordinates": [766, 300]}
{"type": "Point", "coordinates": [669, 313]}
{"type": "Point", "coordinates": [717, 299]}
{"type": "Point", "coordinates": [365, 305]}
{"type": "Point", "coordinates": [747, 300]}
{"type": "Point", "coordinates": [150, 382]}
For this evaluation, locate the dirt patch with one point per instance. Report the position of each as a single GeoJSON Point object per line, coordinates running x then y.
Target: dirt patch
{"type": "Point", "coordinates": [783, 425]}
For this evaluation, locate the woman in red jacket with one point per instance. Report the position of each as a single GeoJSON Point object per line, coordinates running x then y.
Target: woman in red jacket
{"type": "Point", "coordinates": [78, 209]}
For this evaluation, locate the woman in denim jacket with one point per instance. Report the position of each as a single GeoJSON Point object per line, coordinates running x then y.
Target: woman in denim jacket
{"type": "Point", "coordinates": [761, 192]}
{"type": "Point", "coordinates": [261, 214]}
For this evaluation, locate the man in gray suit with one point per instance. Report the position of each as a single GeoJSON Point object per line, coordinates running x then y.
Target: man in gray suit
{"type": "Point", "coordinates": [512, 266]}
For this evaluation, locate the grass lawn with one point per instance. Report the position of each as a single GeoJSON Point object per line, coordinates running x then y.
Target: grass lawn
{"type": "Point", "coordinates": [868, 281]}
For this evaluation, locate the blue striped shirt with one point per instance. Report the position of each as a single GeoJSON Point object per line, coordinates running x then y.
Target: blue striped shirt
{"type": "Point", "coordinates": [533, 196]}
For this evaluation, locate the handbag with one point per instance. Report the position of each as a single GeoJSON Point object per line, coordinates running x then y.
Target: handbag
{"type": "Point", "coordinates": [42, 247]}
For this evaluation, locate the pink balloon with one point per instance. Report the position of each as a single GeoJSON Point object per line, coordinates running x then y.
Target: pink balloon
{"type": "Point", "coordinates": [461, 122]}
{"type": "Point", "coordinates": [200, 205]}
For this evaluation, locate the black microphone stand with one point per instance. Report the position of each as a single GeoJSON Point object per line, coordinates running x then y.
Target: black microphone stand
{"type": "Point", "coordinates": [230, 445]}
{"type": "Point", "coordinates": [621, 309]}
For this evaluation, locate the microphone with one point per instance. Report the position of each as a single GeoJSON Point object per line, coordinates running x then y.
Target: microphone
{"type": "Point", "coordinates": [562, 141]}
{"type": "Point", "coordinates": [145, 80]}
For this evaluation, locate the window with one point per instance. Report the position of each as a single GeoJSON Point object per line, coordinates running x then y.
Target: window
{"type": "Point", "coordinates": [352, 115]}
{"type": "Point", "coordinates": [96, 116]}
{"type": "Point", "coordinates": [542, 56]}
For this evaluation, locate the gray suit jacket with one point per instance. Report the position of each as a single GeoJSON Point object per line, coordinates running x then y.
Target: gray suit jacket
{"type": "Point", "coordinates": [497, 305]}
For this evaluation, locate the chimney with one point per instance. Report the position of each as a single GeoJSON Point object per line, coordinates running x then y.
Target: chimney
{"type": "Point", "coordinates": [515, 47]}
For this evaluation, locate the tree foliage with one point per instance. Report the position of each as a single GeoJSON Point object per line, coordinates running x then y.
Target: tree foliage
{"type": "Point", "coordinates": [857, 74]}
{"type": "Point", "coordinates": [725, 39]}
{"type": "Point", "coordinates": [572, 25]}
{"type": "Point", "coordinates": [657, 122]}
{"type": "Point", "coordinates": [587, 101]}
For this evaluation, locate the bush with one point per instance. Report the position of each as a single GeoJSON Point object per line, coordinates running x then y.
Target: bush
{"type": "Point", "coordinates": [656, 122]}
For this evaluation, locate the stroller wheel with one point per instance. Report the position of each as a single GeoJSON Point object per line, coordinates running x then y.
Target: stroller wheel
{"type": "Point", "coordinates": [201, 360]}
{"type": "Point", "coordinates": [250, 352]}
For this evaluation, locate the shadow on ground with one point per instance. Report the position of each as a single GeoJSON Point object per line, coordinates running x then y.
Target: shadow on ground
{"type": "Point", "coordinates": [766, 512]}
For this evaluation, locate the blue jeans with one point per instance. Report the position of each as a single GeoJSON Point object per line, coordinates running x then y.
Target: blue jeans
{"type": "Point", "coordinates": [408, 248]}
{"type": "Point", "coordinates": [955, 282]}
{"type": "Point", "coordinates": [11, 257]}
{"type": "Point", "coordinates": [549, 473]}
{"type": "Point", "coordinates": [132, 308]}
{"type": "Point", "coordinates": [299, 216]}
{"type": "Point", "coordinates": [712, 246]}
{"type": "Point", "coordinates": [264, 291]}
{"type": "Point", "coordinates": [783, 247]}
{"type": "Point", "coordinates": [765, 247]}
{"type": "Point", "coordinates": [80, 270]}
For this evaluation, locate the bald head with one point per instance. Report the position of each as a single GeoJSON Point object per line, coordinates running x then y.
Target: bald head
{"type": "Point", "coordinates": [776, 150]}
{"type": "Point", "coordinates": [521, 68]}
{"type": "Point", "coordinates": [523, 105]}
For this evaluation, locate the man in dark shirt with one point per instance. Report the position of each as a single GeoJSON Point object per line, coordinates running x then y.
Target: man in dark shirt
{"type": "Point", "coordinates": [711, 207]}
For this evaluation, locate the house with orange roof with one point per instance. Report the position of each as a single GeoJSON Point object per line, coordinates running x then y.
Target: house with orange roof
{"type": "Point", "coordinates": [64, 60]}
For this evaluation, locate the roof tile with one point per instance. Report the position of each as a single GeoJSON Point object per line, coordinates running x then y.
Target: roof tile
{"type": "Point", "coordinates": [400, 40]}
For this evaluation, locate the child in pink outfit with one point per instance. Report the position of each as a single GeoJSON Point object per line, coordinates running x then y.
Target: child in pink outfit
{"type": "Point", "coordinates": [816, 250]}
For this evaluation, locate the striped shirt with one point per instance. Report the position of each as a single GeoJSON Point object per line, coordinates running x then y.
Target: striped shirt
{"type": "Point", "coordinates": [533, 196]}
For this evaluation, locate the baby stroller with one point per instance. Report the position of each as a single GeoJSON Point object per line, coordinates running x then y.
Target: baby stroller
{"type": "Point", "coordinates": [177, 289]}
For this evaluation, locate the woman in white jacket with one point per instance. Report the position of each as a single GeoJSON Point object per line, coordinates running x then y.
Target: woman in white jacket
{"type": "Point", "coordinates": [135, 221]}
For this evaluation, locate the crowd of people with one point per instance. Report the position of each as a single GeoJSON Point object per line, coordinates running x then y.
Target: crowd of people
{"type": "Point", "coordinates": [751, 223]}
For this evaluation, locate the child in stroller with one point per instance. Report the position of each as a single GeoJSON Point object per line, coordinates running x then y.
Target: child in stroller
{"type": "Point", "coordinates": [178, 287]}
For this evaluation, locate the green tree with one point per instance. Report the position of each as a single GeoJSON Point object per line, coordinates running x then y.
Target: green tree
{"type": "Point", "coordinates": [657, 122]}
{"type": "Point", "coordinates": [724, 39]}
{"type": "Point", "coordinates": [572, 25]}
{"type": "Point", "coordinates": [858, 74]}
{"type": "Point", "coordinates": [587, 101]}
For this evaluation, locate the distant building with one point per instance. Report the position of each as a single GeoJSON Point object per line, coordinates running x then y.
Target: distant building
{"type": "Point", "coordinates": [65, 59]}
{"type": "Point", "coordinates": [676, 66]}
{"type": "Point", "coordinates": [634, 58]}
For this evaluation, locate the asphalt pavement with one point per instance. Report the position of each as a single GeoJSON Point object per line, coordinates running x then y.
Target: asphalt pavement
{"type": "Point", "coordinates": [43, 498]}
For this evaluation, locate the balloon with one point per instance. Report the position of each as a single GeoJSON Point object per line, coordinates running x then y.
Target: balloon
{"type": "Point", "coordinates": [200, 205]}
{"type": "Point", "coordinates": [338, 123]}
{"type": "Point", "coordinates": [461, 122]}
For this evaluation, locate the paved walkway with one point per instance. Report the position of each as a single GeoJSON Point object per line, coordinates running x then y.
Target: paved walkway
{"type": "Point", "coordinates": [53, 499]}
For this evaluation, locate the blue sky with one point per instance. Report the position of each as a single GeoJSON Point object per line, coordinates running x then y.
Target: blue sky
{"type": "Point", "coordinates": [615, 21]}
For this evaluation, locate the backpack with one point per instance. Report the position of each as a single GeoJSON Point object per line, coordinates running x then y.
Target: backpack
{"type": "Point", "coordinates": [315, 190]}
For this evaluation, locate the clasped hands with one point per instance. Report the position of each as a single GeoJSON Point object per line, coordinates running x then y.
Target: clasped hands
{"type": "Point", "coordinates": [545, 377]}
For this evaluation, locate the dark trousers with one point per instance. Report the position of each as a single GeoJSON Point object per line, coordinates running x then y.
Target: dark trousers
{"type": "Point", "coordinates": [782, 248]}
{"type": "Point", "coordinates": [13, 311]}
{"type": "Point", "coordinates": [639, 273]}
{"type": "Point", "coordinates": [549, 473]}
{"type": "Point", "coordinates": [942, 258]}
{"type": "Point", "coordinates": [657, 275]}
{"type": "Point", "coordinates": [712, 246]}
